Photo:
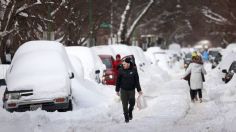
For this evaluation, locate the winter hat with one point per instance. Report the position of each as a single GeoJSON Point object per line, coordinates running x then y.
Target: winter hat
{"type": "Point", "coordinates": [194, 54]}
{"type": "Point", "coordinates": [128, 60]}
{"type": "Point", "coordinates": [118, 56]}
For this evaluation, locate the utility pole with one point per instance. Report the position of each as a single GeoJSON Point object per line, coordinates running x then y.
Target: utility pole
{"type": "Point", "coordinates": [1, 14]}
{"type": "Point", "coordinates": [111, 33]}
{"type": "Point", "coordinates": [49, 25]}
{"type": "Point", "coordinates": [49, 34]}
{"type": "Point", "coordinates": [90, 24]}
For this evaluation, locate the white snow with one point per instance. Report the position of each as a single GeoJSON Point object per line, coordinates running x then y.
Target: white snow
{"type": "Point", "coordinates": [40, 62]}
{"type": "Point", "coordinates": [90, 61]}
{"type": "Point", "coordinates": [23, 14]}
{"type": "Point", "coordinates": [98, 109]}
{"type": "Point", "coordinates": [3, 70]}
{"type": "Point", "coordinates": [103, 50]}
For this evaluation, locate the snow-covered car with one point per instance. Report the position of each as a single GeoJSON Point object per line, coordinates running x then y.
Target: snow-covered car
{"type": "Point", "coordinates": [77, 66]}
{"type": "Point", "coordinates": [103, 50]}
{"type": "Point", "coordinates": [39, 77]}
{"type": "Point", "coordinates": [187, 60]}
{"type": "Point", "coordinates": [121, 49]}
{"type": "Point", "coordinates": [214, 58]}
{"type": "Point", "coordinates": [174, 51]}
{"type": "Point", "coordinates": [92, 64]}
{"type": "Point", "coordinates": [158, 57]}
{"type": "Point", "coordinates": [230, 48]}
{"type": "Point", "coordinates": [230, 72]}
{"type": "Point", "coordinates": [140, 59]}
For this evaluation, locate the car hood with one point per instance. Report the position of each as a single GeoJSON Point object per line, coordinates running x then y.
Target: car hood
{"type": "Point", "coordinates": [42, 86]}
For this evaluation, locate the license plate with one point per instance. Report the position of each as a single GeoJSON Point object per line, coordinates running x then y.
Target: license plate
{"type": "Point", "coordinates": [35, 107]}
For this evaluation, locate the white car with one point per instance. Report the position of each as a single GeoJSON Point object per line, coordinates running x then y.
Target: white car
{"type": "Point", "coordinates": [91, 63]}
{"type": "Point", "coordinates": [39, 77]}
{"type": "Point", "coordinates": [158, 57]}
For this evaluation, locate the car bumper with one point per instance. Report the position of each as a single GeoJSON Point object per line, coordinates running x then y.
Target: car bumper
{"type": "Point", "coordinates": [109, 82]}
{"type": "Point", "coordinates": [48, 105]}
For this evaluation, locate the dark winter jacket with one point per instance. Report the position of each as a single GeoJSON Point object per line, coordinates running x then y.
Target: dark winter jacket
{"type": "Point", "coordinates": [128, 79]}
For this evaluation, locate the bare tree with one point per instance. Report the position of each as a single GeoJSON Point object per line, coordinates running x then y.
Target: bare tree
{"type": "Point", "coordinates": [23, 20]}
{"type": "Point", "coordinates": [124, 33]}
{"type": "Point", "coordinates": [75, 30]}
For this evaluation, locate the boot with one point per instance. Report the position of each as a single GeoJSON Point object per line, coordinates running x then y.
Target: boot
{"type": "Point", "coordinates": [126, 117]}
{"type": "Point", "coordinates": [200, 100]}
{"type": "Point", "coordinates": [130, 115]}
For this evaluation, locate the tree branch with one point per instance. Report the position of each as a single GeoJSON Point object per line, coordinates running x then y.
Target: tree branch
{"type": "Point", "coordinates": [135, 23]}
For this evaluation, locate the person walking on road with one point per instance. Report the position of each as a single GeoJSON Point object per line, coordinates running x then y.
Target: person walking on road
{"type": "Point", "coordinates": [117, 63]}
{"type": "Point", "coordinates": [126, 83]}
{"type": "Point", "coordinates": [196, 71]}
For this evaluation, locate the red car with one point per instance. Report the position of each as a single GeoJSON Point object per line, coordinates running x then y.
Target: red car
{"type": "Point", "coordinates": [110, 74]}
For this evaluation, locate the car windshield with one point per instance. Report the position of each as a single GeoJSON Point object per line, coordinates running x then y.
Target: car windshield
{"type": "Point", "coordinates": [213, 53]}
{"type": "Point", "coordinates": [189, 55]}
{"type": "Point", "coordinates": [107, 62]}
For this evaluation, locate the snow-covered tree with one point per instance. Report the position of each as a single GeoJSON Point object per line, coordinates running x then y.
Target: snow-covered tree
{"type": "Point", "coordinates": [124, 33]}
{"type": "Point", "coordinates": [24, 20]}
{"type": "Point", "coordinates": [74, 29]}
{"type": "Point", "coordinates": [189, 21]}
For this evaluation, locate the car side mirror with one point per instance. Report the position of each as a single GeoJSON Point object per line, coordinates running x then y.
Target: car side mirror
{"type": "Point", "coordinates": [3, 82]}
{"type": "Point", "coordinates": [97, 71]}
{"type": "Point", "coordinates": [224, 71]}
{"type": "Point", "coordinates": [72, 75]}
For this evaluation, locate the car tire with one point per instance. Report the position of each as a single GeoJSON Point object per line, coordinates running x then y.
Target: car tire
{"type": "Point", "coordinates": [70, 107]}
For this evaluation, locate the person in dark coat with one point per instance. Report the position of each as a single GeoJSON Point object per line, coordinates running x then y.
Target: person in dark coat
{"type": "Point", "coordinates": [126, 83]}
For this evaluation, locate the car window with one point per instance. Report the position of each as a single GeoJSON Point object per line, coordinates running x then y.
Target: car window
{"type": "Point", "coordinates": [213, 53]}
{"type": "Point", "coordinates": [233, 67]}
{"type": "Point", "coordinates": [107, 62]}
{"type": "Point", "coordinates": [189, 55]}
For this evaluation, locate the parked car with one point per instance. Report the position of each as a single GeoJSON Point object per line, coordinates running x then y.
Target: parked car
{"type": "Point", "coordinates": [39, 77]}
{"type": "Point", "coordinates": [110, 74]}
{"type": "Point", "coordinates": [187, 60]}
{"type": "Point", "coordinates": [140, 59]}
{"type": "Point", "coordinates": [230, 73]}
{"type": "Point", "coordinates": [215, 58]}
{"type": "Point", "coordinates": [91, 63]}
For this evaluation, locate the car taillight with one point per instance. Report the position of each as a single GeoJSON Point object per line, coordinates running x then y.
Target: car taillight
{"type": "Point", "coordinates": [60, 100]}
{"type": "Point", "coordinates": [11, 105]}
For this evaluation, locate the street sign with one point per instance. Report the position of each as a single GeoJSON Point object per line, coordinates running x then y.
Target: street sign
{"type": "Point", "coordinates": [105, 25]}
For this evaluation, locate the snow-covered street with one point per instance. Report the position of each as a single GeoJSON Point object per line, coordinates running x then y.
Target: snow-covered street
{"type": "Point", "coordinates": [169, 109]}
{"type": "Point", "coordinates": [117, 66]}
